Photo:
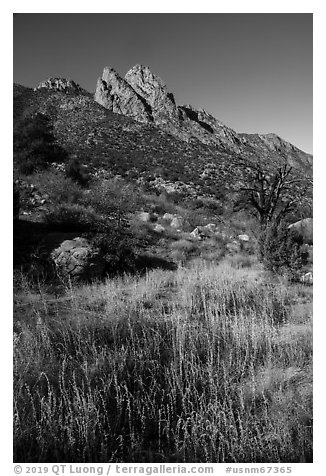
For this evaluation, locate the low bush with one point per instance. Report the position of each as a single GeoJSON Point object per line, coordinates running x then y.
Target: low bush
{"type": "Point", "coordinates": [77, 172]}
{"type": "Point", "coordinates": [281, 251]}
{"type": "Point", "coordinates": [71, 217]}
{"type": "Point", "coordinates": [114, 199]}
{"type": "Point", "coordinates": [59, 188]}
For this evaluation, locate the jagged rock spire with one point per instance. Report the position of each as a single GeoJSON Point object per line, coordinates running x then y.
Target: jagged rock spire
{"type": "Point", "coordinates": [115, 94]}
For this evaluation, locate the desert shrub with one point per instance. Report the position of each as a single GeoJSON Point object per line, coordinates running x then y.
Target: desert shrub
{"type": "Point", "coordinates": [159, 204]}
{"type": "Point", "coordinates": [77, 217]}
{"type": "Point", "coordinates": [209, 205]}
{"type": "Point", "coordinates": [35, 146]}
{"type": "Point", "coordinates": [183, 249]}
{"type": "Point", "coordinates": [113, 199]}
{"type": "Point", "coordinates": [241, 261]}
{"type": "Point", "coordinates": [57, 186]}
{"type": "Point", "coordinates": [119, 247]}
{"type": "Point", "coordinates": [281, 251]}
{"type": "Point", "coordinates": [77, 172]}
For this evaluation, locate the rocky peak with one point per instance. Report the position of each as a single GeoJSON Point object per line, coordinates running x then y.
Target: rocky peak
{"type": "Point", "coordinates": [154, 92]}
{"type": "Point", "coordinates": [115, 94]}
{"type": "Point", "coordinates": [60, 84]}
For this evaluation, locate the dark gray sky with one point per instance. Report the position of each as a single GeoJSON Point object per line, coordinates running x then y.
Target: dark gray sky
{"type": "Point", "coordinates": [254, 72]}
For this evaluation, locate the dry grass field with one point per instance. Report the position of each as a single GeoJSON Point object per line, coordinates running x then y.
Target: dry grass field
{"type": "Point", "coordinates": [209, 363]}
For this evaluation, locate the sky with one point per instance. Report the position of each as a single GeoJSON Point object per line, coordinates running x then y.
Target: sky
{"type": "Point", "coordinates": [253, 72]}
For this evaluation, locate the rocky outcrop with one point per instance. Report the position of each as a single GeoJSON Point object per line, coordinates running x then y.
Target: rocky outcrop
{"type": "Point", "coordinates": [153, 90]}
{"type": "Point", "coordinates": [78, 260]}
{"type": "Point", "coordinates": [207, 231]}
{"type": "Point", "coordinates": [115, 94]}
{"type": "Point", "coordinates": [206, 128]}
{"type": "Point", "coordinates": [60, 84]}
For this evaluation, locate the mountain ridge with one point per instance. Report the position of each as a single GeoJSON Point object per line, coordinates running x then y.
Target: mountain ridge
{"type": "Point", "coordinates": [196, 122]}
{"type": "Point", "coordinates": [179, 142]}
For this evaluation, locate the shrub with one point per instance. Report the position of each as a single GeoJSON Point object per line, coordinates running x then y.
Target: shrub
{"type": "Point", "coordinates": [77, 217]}
{"type": "Point", "coordinates": [77, 172]}
{"type": "Point", "coordinates": [118, 246]}
{"type": "Point", "coordinates": [281, 251]}
{"type": "Point", "coordinates": [59, 188]}
{"type": "Point", "coordinates": [113, 199]}
{"type": "Point", "coordinates": [183, 250]}
{"type": "Point", "coordinates": [34, 144]}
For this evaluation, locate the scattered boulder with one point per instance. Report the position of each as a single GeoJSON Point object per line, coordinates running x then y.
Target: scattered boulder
{"type": "Point", "coordinates": [159, 228]}
{"type": "Point", "coordinates": [211, 227]}
{"type": "Point", "coordinates": [177, 223]}
{"type": "Point", "coordinates": [168, 217]}
{"type": "Point", "coordinates": [243, 237]}
{"type": "Point", "coordinates": [78, 260]}
{"type": "Point", "coordinates": [206, 231]}
{"type": "Point", "coordinates": [196, 233]}
{"type": "Point", "coordinates": [145, 217]}
{"type": "Point", "coordinates": [304, 229]}
{"type": "Point", "coordinates": [307, 278]}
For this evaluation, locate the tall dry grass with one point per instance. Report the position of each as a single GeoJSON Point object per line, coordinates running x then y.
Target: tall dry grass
{"type": "Point", "coordinates": [206, 364]}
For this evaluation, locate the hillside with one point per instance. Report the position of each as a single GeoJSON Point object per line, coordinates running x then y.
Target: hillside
{"type": "Point", "coordinates": [186, 145]}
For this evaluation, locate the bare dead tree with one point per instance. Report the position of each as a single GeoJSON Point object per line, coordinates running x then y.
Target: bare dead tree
{"type": "Point", "coordinates": [271, 189]}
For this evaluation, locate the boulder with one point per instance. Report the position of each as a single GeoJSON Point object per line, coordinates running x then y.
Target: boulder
{"type": "Point", "coordinates": [168, 217]}
{"type": "Point", "coordinates": [177, 222]}
{"type": "Point", "coordinates": [78, 260]}
{"type": "Point", "coordinates": [243, 237]}
{"type": "Point", "coordinates": [159, 228]}
{"type": "Point", "coordinates": [145, 217]}
{"type": "Point", "coordinates": [205, 231]}
{"type": "Point", "coordinates": [307, 278]}
{"type": "Point", "coordinates": [304, 229]}
{"type": "Point", "coordinates": [211, 227]}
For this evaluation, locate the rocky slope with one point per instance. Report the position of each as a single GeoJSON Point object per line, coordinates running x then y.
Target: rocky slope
{"type": "Point", "coordinates": [144, 96]}
{"type": "Point", "coordinates": [134, 128]}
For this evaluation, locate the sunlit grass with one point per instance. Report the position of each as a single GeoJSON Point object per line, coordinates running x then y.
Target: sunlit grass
{"type": "Point", "coordinates": [205, 364]}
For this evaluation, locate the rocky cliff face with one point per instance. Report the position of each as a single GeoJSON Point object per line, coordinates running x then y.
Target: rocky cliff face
{"type": "Point", "coordinates": [152, 89]}
{"type": "Point", "coordinates": [116, 94]}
